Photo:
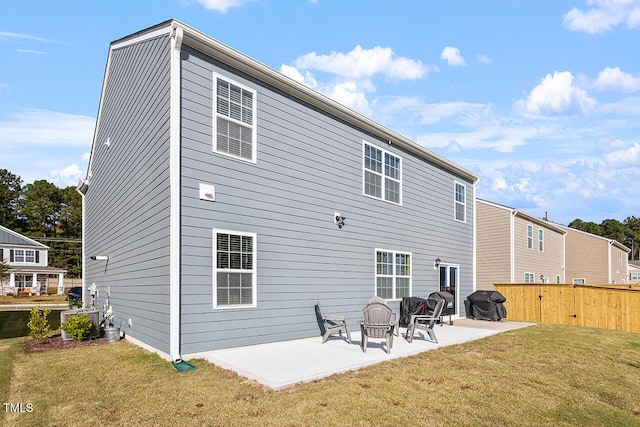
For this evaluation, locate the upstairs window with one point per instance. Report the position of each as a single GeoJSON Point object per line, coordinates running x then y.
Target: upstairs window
{"type": "Point", "coordinates": [529, 237]}
{"type": "Point", "coordinates": [460, 202]}
{"type": "Point", "coordinates": [235, 120]}
{"type": "Point", "coordinates": [541, 240]}
{"type": "Point", "coordinates": [382, 174]}
{"type": "Point", "coordinates": [23, 256]}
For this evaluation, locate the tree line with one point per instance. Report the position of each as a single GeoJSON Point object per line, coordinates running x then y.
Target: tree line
{"type": "Point", "coordinates": [47, 214]}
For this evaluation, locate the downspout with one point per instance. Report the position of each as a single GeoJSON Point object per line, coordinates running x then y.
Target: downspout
{"type": "Point", "coordinates": [512, 246]}
{"type": "Point", "coordinates": [475, 243]}
{"type": "Point", "coordinates": [609, 265]}
{"type": "Point", "coordinates": [174, 189]}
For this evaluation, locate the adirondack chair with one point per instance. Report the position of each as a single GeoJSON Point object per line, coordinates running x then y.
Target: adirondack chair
{"type": "Point", "coordinates": [394, 322]}
{"type": "Point", "coordinates": [377, 324]}
{"type": "Point", "coordinates": [425, 322]}
{"type": "Point", "coordinates": [330, 324]}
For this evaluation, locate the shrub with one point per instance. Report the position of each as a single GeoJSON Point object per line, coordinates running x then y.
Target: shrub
{"type": "Point", "coordinates": [39, 324]}
{"type": "Point", "coordinates": [77, 325]}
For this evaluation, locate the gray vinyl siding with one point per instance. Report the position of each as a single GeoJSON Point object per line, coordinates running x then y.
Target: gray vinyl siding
{"type": "Point", "coordinates": [309, 165]}
{"type": "Point", "coordinates": [127, 202]}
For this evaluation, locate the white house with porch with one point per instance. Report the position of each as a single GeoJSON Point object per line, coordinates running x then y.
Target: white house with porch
{"type": "Point", "coordinates": [28, 262]}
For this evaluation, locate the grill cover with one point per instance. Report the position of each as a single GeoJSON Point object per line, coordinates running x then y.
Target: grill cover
{"type": "Point", "coordinates": [435, 297]}
{"type": "Point", "coordinates": [486, 305]}
{"type": "Point", "coordinates": [409, 306]}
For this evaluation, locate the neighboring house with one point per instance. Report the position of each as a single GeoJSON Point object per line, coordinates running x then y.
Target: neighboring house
{"type": "Point", "coordinates": [634, 272]}
{"type": "Point", "coordinates": [28, 264]}
{"type": "Point", "coordinates": [223, 199]}
{"type": "Point", "coordinates": [514, 247]}
{"type": "Point", "coordinates": [593, 260]}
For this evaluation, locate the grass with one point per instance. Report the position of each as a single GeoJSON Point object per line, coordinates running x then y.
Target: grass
{"type": "Point", "coordinates": [544, 375]}
{"type": "Point", "coordinates": [41, 299]}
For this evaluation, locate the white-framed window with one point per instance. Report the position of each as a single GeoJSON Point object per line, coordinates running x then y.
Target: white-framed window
{"type": "Point", "coordinates": [541, 240]}
{"type": "Point", "coordinates": [234, 121]}
{"type": "Point", "coordinates": [24, 256]}
{"type": "Point", "coordinates": [393, 274]}
{"type": "Point", "coordinates": [529, 236]}
{"type": "Point", "coordinates": [558, 279]}
{"type": "Point", "coordinates": [634, 276]}
{"type": "Point", "coordinates": [23, 280]}
{"type": "Point", "coordinates": [381, 174]}
{"type": "Point", "coordinates": [235, 269]}
{"type": "Point", "coordinates": [529, 278]}
{"type": "Point", "coordinates": [579, 281]}
{"type": "Point", "coordinates": [460, 203]}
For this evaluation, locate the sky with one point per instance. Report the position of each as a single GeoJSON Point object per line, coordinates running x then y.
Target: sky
{"type": "Point", "coordinates": [540, 99]}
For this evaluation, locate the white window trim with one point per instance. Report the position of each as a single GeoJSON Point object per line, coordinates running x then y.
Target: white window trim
{"type": "Point", "coordinates": [24, 257]}
{"type": "Point", "coordinates": [384, 177]}
{"type": "Point", "coordinates": [456, 202]}
{"type": "Point", "coordinates": [254, 127]}
{"type": "Point", "coordinates": [254, 278]}
{"type": "Point", "coordinates": [530, 236]}
{"type": "Point", "coordinates": [576, 279]}
{"type": "Point", "coordinates": [532, 275]}
{"type": "Point", "coordinates": [376, 275]}
{"type": "Point", "coordinates": [540, 240]}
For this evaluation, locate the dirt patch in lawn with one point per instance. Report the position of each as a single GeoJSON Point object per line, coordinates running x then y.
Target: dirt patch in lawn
{"type": "Point", "coordinates": [34, 345]}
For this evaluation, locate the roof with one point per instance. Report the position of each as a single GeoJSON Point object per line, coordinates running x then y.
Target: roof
{"type": "Point", "coordinates": [521, 214]}
{"type": "Point", "coordinates": [253, 68]}
{"type": "Point", "coordinates": [13, 238]}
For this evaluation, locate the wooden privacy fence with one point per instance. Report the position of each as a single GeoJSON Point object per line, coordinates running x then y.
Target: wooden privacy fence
{"type": "Point", "coordinates": [599, 306]}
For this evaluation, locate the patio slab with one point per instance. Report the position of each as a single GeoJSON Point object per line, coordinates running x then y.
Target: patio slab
{"type": "Point", "coordinates": [283, 364]}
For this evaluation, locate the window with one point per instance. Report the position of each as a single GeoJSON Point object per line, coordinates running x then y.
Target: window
{"type": "Point", "coordinates": [24, 255]}
{"type": "Point", "coordinates": [529, 278]}
{"type": "Point", "coordinates": [541, 240]}
{"type": "Point", "coordinates": [234, 123]}
{"type": "Point", "coordinates": [460, 202]}
{"type": "Point", "coordinates": [234, 279]}
{"type": "Point", "coordinates": [393, 274]}
{"type": "Point", "coordinates": [23, 280]}
{"type": "Point", "coordinates": [382, 174]}
{"type": "Point", "coordinates": [529, 237]}
{"type": "Point", "coordinates": [578, 281]}
{"type": "Point", "coordinates": [558, 279]}
{"type": "Point", "coordinates": [634, 276]}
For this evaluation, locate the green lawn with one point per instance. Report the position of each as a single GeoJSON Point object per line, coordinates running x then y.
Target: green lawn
{"type": "Point", "coordinates": [544, 375]}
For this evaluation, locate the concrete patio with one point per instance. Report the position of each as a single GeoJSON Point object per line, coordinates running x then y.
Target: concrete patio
{"type": "Point", "coordinates": [282, 364]}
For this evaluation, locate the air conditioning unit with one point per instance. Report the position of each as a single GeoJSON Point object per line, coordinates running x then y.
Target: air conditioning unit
{"type": "Point", "coordinates": [94, 317]}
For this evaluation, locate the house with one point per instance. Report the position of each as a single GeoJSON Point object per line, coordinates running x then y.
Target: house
{"type": "Point", "coordinates": [223, 199]}
{"type": "Point", "coordinates": [593, 260]}
{"type": "Point", "coordinates": [634, 272]}
{"type": "Point", "coordinates": [514, 247]}
{"type": "Point", "coordinates": [28, 263]}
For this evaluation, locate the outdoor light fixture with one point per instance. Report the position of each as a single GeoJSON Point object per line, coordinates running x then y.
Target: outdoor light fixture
{"type": "Point", "coordinates": [338, 219]}
{"type": "Point", "coordinates": [436, 263]}
{"type": "Point", "coordinates": [100, 257]}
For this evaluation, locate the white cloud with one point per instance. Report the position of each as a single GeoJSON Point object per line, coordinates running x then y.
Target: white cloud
{"type": "Point", "coordinates": [628, 155]}
{"type": "Point", "coordinates": [556, 95]}
{"type": "Point", "coordinates": [67, 176]}
{"type": "Point", "coordinates": [452, 56]}
{"type": "Point", "coordinates": [360, 63]}
{"type": "Point", "coordinates": [9, 35]}
{"type": "Point", "coordinates": [603, 15]}
{"type": "Point", "coordinates": [293, 73]}
{"type": "Point", "coordinates": [614, 78]}
{"type": "Point", "coordinates": [34, 127]}
{"type": "Point", "coordinates": [222, 6]}
{"type": "Point", "coordinates": [484, 59]}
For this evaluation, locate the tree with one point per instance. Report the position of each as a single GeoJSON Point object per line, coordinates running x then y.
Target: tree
{"type": "Point", "coordinates": [41, 208]}
{"type": "Point", "coordinates": [10, 192]}
{"type": "Point", "coordinates": [588, 227]}
{"type": "Point", "coordinates": [4, 272]}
